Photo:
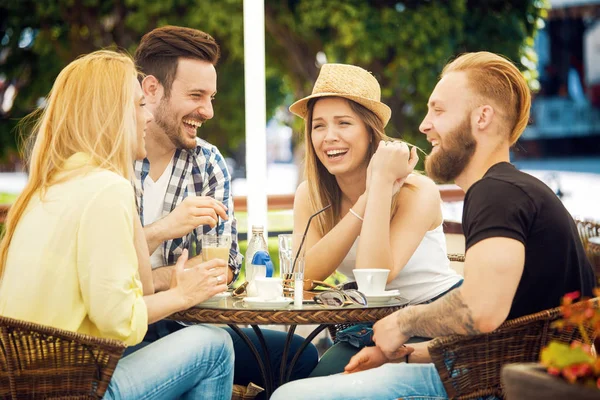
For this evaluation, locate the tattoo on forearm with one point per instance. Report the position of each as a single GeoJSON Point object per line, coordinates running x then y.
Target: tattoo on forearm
{"type": "Point", "coordinates": [445, 316]}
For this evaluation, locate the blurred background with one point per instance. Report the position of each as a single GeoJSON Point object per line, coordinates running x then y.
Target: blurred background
{"type": "Point", "coordinates": [405, 44]}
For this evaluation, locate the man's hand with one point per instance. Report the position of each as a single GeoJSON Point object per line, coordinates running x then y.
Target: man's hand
{"type": "Point", "coordinates": [372, 357]}
{"type": "Point", "coordinates": [192, 212]}
{"type": "Point", "coordinates": [388, 337]}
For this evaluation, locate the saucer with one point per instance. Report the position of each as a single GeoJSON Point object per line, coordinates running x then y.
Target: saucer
{"type": "Point", "coordinates": [257, 302]}
{"type": "Point", "coordinates": [382, 297]}
{"type": "Point", "coordinates": [216, 298]}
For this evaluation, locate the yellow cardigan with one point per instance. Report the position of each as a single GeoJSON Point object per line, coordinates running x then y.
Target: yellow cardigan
{"type": "Point", "coordinates": [72, 264]}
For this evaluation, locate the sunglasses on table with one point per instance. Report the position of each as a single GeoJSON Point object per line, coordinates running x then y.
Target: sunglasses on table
{"type": "Point", "coordinates": [340, 298]}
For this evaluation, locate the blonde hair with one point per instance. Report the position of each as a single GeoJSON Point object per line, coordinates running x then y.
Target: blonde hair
{"type": "Point", "coordinates": [90, 109]}
{"type": "Point", "coordinates": [496, 78]}
{"type": "Point", "coordinates": [322, 185]}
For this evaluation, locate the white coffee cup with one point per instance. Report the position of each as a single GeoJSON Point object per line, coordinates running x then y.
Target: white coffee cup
{"type": "Point", "coordinates": [371, 280]}
{"type": "Point", "coordinates": [269, 288]}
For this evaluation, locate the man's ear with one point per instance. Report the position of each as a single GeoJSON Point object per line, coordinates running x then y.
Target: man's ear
{"type": "Point", "coordinates": [484, 115]}
{"type": "Point", "coordinates": [153, 90]}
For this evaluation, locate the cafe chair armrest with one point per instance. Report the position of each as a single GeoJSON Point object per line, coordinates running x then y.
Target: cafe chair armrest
{"type": "Point", "coordinates": [44, 362]}
{"type": "Point", "coordinates": [469, 366]}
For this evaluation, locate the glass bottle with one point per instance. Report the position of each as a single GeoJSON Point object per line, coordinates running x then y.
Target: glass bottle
{"type": "Point", "coordinates": [257, 242]}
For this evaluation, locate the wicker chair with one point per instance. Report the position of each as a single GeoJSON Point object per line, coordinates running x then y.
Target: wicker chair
{"type": "Point", "coordinates": [40, 362]}
{"type": "Point", "coordinates": [470, 365]}
{"type": "Point", "coordinates": [588, 229]}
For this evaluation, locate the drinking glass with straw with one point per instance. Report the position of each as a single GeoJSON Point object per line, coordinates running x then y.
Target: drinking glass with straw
{"type": "Point", "coordinates": [297, 270]}
{"type": "Point", "coordinates": [216, 246]}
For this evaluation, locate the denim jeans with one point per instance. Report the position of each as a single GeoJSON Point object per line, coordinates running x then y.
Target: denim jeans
{"type": "Point", "coordinates": [390, 381]}
{"type": "Point", "coordinates": [192, 363]}
{"type": "Point", "coordinates": [246, 368]}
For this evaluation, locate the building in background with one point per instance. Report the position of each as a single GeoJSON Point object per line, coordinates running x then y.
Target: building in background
{"type": "Point", "coordinates": [565, 114]}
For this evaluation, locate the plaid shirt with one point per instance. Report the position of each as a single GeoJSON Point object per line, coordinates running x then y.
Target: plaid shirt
{"type": "Point", "coordinates": [202, 171]}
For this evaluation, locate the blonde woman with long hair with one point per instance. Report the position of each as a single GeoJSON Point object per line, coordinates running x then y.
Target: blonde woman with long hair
{"type": "Point", "coordinates": [382, 215]}
{"type": "Point", "coordinates": [73, 255]}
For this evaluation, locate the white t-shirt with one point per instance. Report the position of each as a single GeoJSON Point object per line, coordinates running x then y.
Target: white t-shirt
{"type": "Point", "coordinates": [154, 199]}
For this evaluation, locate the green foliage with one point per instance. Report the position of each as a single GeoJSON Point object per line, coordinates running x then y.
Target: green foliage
{"type": "Point", "coordinates": [576, 362]}
{"type": "Point", "coordinates": [562, 355]}
{"type": "Point", "coordinates": [405, 44]}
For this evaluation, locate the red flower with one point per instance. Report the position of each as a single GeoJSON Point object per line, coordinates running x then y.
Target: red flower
{"type": "Point", "coordinates": [573, 295]}
{"type": "Point", "coordinates": [556, 372]}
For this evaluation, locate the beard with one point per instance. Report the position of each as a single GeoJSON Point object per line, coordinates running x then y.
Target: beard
{"type": "Point", "coordinates": [165, 119]}
{"type": "Point", "coordinates": [453, 154]}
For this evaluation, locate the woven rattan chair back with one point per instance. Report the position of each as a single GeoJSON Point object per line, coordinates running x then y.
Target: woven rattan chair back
{"type": "Point", "coordinates": [588, 229]}
{"type": "Point", "coordinates": [39, 362]}
{"type": "Point", "coordinates": [469, 366]}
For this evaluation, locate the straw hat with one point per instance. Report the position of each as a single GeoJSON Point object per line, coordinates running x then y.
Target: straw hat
{"type": "Point", "coordinates": [350, 82]}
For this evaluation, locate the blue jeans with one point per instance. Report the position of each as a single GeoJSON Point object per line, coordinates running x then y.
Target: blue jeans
{"type": "Point", "coordinates": [193, 363]}
{"type": "Point", "coordinates": [390, 381]}
{"type": "Point", "coordinates": [246, 368]}
{"type": "Point", "coordinates": [337, 356]}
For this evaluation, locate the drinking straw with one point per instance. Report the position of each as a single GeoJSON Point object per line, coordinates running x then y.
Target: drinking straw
{"type": "Point", "coordinates": [305, 232]}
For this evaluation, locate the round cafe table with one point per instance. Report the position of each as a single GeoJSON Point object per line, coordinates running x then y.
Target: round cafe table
{"type": "Point", "coordinates": [233, 312]}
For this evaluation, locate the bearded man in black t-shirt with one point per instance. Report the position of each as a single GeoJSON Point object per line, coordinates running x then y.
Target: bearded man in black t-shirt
{"type": "Point", "coordinates": [523, 252]}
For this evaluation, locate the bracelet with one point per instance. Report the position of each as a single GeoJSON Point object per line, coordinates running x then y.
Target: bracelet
{"type": "Point", "coordinates": [355, 214]}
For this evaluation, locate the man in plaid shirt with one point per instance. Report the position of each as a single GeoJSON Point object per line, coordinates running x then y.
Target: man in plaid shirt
{"type": "Point", "coordinates": [184, 186]}
{"type": "Point", "coordinates": [197, 187]}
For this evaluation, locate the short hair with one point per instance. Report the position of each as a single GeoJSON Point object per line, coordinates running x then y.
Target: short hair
{"type": "Point", "coordinates": [160, 50]}
{"type": "Point", "coordinates": [496, 78]}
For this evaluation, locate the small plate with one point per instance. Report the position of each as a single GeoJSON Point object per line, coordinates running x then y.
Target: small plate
{"type": "Point", "coordinates": [260, 303]}
{"type": "Point", "coordinates": [382, 298]}
{"type": "Point", "coordinates": [216, 298]}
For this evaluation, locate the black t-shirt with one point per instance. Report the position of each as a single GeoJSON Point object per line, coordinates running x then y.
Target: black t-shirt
{"type": "Point", "coordinates": [509, 203]}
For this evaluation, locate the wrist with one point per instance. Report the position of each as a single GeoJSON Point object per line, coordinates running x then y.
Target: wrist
{"type": "Point", "coordinates": [180, 300]}
{"type": "Point", "coordinates": [361, 204]}
{"type": "Point", "coordinates": [381, 180]}
{"type": "Point", "coordinates": [401, 322]}
{"type": "Point", "coordinates": [161, 278]}
{"type": "Point", "coordinates": [360, 218]}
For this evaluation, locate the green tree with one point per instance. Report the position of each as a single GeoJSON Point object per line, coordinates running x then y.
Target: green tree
{"type": "Point", "coordinates": [39, 37]}
{"type": "Point", "coordinates": [405, 44]}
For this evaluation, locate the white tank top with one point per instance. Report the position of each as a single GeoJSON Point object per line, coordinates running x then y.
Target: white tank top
{"type": "Point", "coordinates": [427, 273]}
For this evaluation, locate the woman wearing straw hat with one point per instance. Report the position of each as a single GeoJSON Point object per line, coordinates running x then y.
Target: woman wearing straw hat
{"type": "Point", "coordinates": [73, 255]}
{"type": "Point", "coordinates": [382, 215]}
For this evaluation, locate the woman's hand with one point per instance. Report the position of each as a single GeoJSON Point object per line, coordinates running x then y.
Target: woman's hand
{"type": "Point", "coordinates": [392, 162]}
{"type": "Point", "coordinates": [200, 282]}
